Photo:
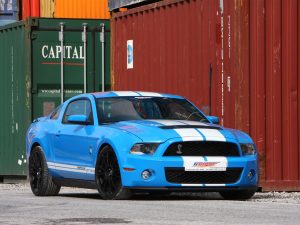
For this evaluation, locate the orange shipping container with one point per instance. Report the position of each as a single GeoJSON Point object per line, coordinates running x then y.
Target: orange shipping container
{"type": "Point", "coordinates": [88, 9]}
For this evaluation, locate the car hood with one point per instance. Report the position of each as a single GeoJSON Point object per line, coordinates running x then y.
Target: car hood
{"type": "Point", "coordinates": [162, 130]}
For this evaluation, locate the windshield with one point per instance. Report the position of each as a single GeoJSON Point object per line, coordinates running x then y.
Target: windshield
{"type": "Point", "coordinates": [140, 108]}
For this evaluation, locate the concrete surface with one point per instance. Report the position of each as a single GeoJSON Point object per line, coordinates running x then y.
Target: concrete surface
{"type": "Point", "coordinates": [82, 206]}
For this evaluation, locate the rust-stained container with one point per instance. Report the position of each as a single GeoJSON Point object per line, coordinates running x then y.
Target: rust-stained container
{"type": "Point", "coordinates": [47, 8]}
{"type": "Point", "coordinates": [91, 9]}
{"type": "Point", "coordinates": [237, 59]}
{"type": "Point", "coordinates": [30, 8]}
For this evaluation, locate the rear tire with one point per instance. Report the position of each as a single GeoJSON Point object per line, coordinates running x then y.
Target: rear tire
{"type": "Point", "coordinates": [108, 176]}
{"type": "Point", "coordinates": [238, 194]}
{"type": "Point", "coordinates": [40, 180]}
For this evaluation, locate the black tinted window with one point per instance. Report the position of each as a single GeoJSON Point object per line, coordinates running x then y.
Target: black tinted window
{"type": "Point", "coordinates": [138, 108]}
{"type": "Point", "coordinates": [79, 107]}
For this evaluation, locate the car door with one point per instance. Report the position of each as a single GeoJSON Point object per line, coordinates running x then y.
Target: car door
{"type": "Point", "coordinates": [72, 147]}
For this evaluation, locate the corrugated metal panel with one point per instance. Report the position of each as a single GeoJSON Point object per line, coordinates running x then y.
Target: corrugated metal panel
{"type": "Point", "coordinates": [258, 81]}
{"type": "Point", "coordinates": [47, 8]}
{"type": "Point", "coordinates": [169, 53]}
{"type": "Point", "coordinates": [30, 76]}
{"type": "Point", "coordinates": [237, 59]}
{"type": "Point", "coordinates": [30, 8]}
{"type": "Point", "coordinates": [15, 100]}
{"type": "Point", "coordinates": [96, 9]}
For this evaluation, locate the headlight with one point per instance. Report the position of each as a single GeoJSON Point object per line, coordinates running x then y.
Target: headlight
{"type": "Point", "coordinates": [141, 149]}
{"type": "Point", "coordinates": [248, 149]}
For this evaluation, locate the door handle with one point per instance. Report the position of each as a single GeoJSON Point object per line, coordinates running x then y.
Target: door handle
{"type": "Point", "coordinates": [57, 134]}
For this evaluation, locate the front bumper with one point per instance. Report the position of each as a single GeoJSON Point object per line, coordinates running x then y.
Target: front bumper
{"type": "Point", "coordinates": [158, 181]}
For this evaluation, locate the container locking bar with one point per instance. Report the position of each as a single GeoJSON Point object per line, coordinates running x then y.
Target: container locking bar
{"type": "Point", "coordinates": [102, 40]}
{"type": "Point", "coordinates": [61, 39]}
{"type": "Point", "coordinates": [84, 52]}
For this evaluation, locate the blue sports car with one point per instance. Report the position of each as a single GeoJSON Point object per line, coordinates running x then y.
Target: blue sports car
{"type": "Point", "coordinates": [127, 142]}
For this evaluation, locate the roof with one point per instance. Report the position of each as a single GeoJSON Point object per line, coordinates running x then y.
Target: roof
{"type": "Point", "coordinates": [132, 94]}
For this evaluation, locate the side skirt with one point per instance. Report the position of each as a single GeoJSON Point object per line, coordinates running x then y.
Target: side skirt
{"type": "Point", "coordinates": [75, 183]}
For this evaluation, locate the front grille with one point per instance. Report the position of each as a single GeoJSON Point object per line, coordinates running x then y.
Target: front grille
{"type": "Point", "coordinates": [202, 148]}
{"type": "Point", "coordinates": [180, 176]}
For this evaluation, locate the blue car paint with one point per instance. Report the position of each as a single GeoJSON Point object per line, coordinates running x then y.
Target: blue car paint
{"type": "Point", "coordinates": [121, 137]}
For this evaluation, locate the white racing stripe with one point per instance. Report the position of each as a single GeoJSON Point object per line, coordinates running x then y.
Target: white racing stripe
{"type": "Point", "coordinates": [71, 168]}
{"type": "Point", "coordinates": [168, 122]}
{"type": "Point", "coordinates": [195, 123]}
{"type": "Point", "coordinates": [189, 134]}
{"type": "Point", "coordinates": [212, 134]}
{"type": "Point", "coordinates": [150, 94]}
{"type": "Point", "coordinates": [126, 93]}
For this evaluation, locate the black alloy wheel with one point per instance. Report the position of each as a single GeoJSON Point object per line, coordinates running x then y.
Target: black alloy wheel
{"type": "Point", "coordinates": [108, 177]}
{"type": "Point", "coordinates": [40, 180]}
{"type": "Point", "coordinates": [35, 171]}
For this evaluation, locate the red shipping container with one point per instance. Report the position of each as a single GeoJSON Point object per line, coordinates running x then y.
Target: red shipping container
{"type": "Point", "coordinates": [30, 8]}
{"type": "Point", "coordinates": [237, 59]}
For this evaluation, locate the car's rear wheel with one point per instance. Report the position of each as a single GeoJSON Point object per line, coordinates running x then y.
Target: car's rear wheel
{"type": "Point", "coordinates": [40, 180]}
{"type": "Point", "coordinates": [238, 194]}
{"type": "Point", "coordinates": [108, 177]}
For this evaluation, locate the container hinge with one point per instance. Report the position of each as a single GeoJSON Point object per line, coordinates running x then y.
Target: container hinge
{"type": "Point", "coordinates": [33, 36]}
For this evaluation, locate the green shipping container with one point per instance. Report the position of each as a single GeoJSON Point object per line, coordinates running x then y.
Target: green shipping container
{"type": "Point", "coordinates": [42, 62]}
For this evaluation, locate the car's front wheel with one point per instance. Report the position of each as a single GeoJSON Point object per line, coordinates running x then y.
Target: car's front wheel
{"type": "Point", "coordinates": [238, 194]}
{"type": "Point", "coordinates": [108, 177]}
{"type": "Point", "coordinates": [40, 180]}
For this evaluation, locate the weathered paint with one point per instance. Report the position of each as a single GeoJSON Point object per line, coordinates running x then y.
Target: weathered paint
{"type": "Point", "coordinates": [237, 59]}
{"type": "Point", "coordinates": [30, 77]}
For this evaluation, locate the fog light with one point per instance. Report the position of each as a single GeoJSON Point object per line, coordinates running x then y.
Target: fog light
{"type": "Point", "coordinates": [251, 174]}
{"type": "Point", "coordinates": [146, 174]}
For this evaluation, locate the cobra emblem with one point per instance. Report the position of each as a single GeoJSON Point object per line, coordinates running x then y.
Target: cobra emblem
{"type": "Point", "coordinates": [179, 149]}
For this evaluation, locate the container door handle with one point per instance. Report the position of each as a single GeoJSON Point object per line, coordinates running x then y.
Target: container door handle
{"type": "Point", "coordinates": [61, 39]}
{"type": "Point", "coordinates": [84, 52]}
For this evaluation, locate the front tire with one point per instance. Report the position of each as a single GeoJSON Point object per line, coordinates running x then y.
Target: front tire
{"type": "Point", "coordinates": [238, 194]}
{"type": "Point", "coordinates": [40, 180]}
{"type": "Point", "coordinates": [108, 177]}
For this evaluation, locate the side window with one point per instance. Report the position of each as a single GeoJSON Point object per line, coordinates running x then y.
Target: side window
{"type": "Point", "coordinates": [79, 107]}
{"type": "Point", "coordinates": [55, 114]}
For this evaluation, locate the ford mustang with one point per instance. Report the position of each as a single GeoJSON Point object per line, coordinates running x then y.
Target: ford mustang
{"type": "Point", "coordinates": [127, 142]}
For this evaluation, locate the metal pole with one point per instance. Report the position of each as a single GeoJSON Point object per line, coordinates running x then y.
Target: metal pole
{"type": "Point", "coordinates": [84, 52]}
{"type": "Point", "coordinates": [61, 39]}
{"type": "Point", "coordinates": [102, 47]}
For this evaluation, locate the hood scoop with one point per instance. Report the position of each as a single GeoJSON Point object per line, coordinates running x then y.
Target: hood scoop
{"type": "Point", "coordinates": [189, 126]}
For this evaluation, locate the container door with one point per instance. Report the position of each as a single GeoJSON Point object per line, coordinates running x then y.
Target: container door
{"type": "Point", "coordinates": [47, 69]}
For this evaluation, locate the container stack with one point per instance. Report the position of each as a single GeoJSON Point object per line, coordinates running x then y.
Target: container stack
{"type": "Point", "coordinates": [35, 76]}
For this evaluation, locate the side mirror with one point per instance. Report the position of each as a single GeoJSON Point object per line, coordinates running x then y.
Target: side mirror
{"type": "Point", "coordinates": [78, 119]}
{"type": "Point", "coordinates": [213, 119]}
